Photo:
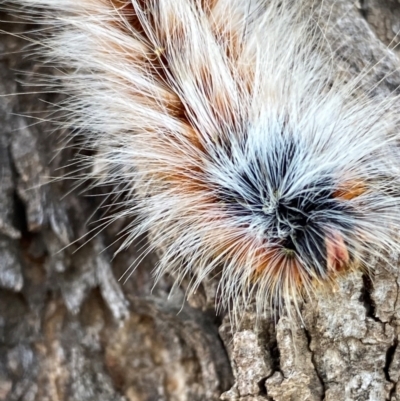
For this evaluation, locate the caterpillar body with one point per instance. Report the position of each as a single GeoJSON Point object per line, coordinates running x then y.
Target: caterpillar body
{"type": "Point", "coordinates": [244, 152]}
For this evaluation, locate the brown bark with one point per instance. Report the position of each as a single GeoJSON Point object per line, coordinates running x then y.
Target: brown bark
{"type": "Point", "coordinates": [69, 330]}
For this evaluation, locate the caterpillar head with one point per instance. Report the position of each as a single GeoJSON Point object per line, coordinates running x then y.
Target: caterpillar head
{"type": "Point", "coordinates": [278, 211]}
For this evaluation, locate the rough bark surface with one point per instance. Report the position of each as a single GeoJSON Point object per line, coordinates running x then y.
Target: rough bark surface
{"type": "Point", "coordinates": [69, 330]}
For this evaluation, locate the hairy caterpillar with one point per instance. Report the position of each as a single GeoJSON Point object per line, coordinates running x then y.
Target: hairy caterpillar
{"type": "Point", "coordinates": [245, 153]}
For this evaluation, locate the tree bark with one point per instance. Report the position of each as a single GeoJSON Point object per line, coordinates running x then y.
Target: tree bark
{"type": "Point", "coordinates": [70, 330]}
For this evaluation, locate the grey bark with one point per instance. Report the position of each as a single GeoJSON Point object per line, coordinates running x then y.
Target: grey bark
{"type": "Point", "coordinates": [69, 330]}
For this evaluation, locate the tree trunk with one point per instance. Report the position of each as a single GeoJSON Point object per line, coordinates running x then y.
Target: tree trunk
{"type": "Point", "coordinates": [70, 330]}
